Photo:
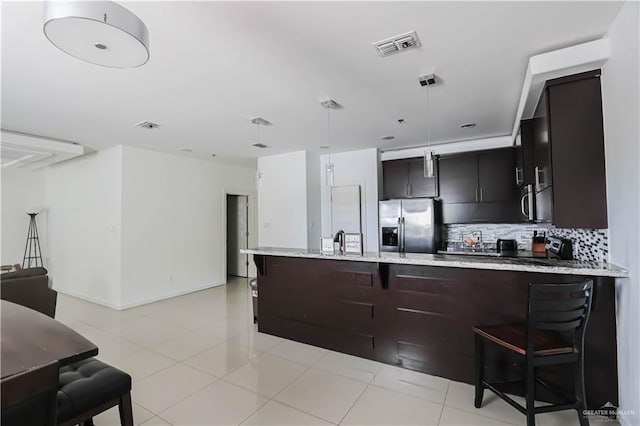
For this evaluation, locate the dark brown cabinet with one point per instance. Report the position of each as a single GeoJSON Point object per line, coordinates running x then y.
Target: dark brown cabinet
{"type": "Point", "coordinates": [459, 178]}
{"type": "Point", "coordinates": [563, 153]}
{"type": "Point", "coordinates": [405, 179]}
{"type": "Point", "coordinates": [577, 151]}
{"type": "Point", "coordinates": [421, 317]}
{"type": "Point", "coordinates": [480, 187]}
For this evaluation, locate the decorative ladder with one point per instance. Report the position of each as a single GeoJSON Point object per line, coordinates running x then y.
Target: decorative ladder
{"type": "Point", "coordinates": [32, 252]}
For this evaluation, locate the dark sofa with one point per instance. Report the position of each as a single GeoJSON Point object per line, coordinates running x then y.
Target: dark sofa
{"type": "Point", "coordinates": [30, 288]}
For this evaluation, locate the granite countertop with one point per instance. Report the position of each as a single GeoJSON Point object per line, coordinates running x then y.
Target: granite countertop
{"type": "Point", "coordinates": [543, 265]}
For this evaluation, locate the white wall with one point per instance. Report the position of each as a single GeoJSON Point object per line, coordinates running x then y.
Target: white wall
{"type": "Point", "coordinates": [282, 200]}
{"type": "Point", "coordinates": [83, 197]}
{"type": "Point", "coordinates": [173, 223]}
{"type": "Point", "coordinates": [22, 189]}
{"type": "Point", "coordinates": [354, 168]}
{"type": "Point", "coordinates": [314, 216]}
{"type": "Point", "coordinates": [620, 91]}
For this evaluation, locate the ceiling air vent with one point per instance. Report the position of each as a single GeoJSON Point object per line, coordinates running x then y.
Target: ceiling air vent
{"type": "Point", "coordinates": [149, 125]}
{"type": "Point", "coordinates": [259, 145]}
{"type": "Point", "coordinates": [397, 44]}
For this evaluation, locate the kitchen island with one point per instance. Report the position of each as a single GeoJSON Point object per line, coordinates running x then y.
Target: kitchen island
{"type": "Point", "coordinates": [416, 310]}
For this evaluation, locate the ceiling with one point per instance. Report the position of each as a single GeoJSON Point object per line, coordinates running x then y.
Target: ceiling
{"type": "Point", "coordinates": [216, 65]}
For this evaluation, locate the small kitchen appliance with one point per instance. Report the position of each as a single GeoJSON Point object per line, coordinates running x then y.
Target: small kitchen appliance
{"type": "Point", "coordinates": [507, 248]}
{"type": "Point", "coordinates": [559, 248]}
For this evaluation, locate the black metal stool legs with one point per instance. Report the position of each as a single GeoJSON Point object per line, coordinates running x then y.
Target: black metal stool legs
{"type": "Point", "coordinates": [479, 371]}
{"type": "Point", "coordinates": [580, 395]}
{"type": "Point", "coordinates": [530, 394]}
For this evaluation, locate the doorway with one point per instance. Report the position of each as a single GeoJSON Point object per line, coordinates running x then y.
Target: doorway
{"type": "Point", "coordinates": [237, 235]}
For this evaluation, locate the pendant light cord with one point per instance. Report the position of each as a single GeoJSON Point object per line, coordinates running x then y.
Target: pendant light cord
{"type": "Point", "coordinates": [428, 116]}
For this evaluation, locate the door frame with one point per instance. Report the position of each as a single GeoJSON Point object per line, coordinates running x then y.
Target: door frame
{"type": "Point", "coordinates": [252, 221]}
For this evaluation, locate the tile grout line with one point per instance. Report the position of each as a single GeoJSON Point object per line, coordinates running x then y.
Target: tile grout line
{"type": "Point", "coordinates": [354, 403]}
{"type": "Point", "coordinates": [443, 402]}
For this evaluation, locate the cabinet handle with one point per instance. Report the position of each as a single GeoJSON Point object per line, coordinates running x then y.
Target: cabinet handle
{"type": "Point", "coordinates": [519, 179]}
{"type": "Point", "coordinates": [476, 194]}
{"type": "Point", "coordinates": [539, 172]}
{"type": "Point", "coordinates": [411, 190]}
{"type": "Point", "coordinates": [407, 190]}
{"type": "Point", "coordinates": [481, 195]}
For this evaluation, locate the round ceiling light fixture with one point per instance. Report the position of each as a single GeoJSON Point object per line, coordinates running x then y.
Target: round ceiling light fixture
{"type": "Point", "coordinates": [99, 32]}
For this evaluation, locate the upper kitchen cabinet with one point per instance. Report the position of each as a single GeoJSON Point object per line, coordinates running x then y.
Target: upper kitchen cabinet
{"type": "Point", "coordinates": [563, 154]}
{"type": "Point", "coordinates": [480, 187]}
{"type": "Point", "coordinates": [405, 179]}
{"type": "Point", "coordinates": [459, 178]}
{"type": "Point", "coordinates": [576, 137]}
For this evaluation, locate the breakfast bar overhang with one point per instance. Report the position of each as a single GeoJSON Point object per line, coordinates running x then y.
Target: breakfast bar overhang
{"type": "Point", "coordinates": [417, 310]}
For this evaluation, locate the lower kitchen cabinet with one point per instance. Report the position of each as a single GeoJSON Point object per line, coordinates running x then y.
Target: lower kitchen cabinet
{"type": "Point", "coordinates": [421, 317]}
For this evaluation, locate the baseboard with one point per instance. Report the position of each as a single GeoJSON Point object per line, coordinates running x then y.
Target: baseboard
{"type": "Point", "coordinates": [170, 295]}
{"type": "Point", "coordinates": [141, 301]}
{"type": "Point", "coordinates": [87, 298]}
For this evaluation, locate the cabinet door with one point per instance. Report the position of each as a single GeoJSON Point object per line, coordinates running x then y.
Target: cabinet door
{"type": "Point", "coordinates": [395, 179]}
{"type": "Point", "coordinates": [577, 149]}
{"type": "Point", "coordinates": [525, 160]}
{"type": "Point", "coordinates": [496, 174]}
{"type": "Point", "coordinates": [420, 186]}
{"type": "Point", "coordinates": [542, 175]}
{"type": "Point", "coordinates": [458, 178]}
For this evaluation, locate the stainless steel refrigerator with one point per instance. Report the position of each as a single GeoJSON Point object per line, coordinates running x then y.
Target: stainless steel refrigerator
{"type": "Point", "coordinates": [410, 226]}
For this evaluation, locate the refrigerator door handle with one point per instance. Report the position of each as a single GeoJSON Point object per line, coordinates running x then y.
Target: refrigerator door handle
{"type": "Point", "coordinates": [531, 199]}
{"type": "Point", "coordinates": [399, 234]}
{"type": "Point", "coordinates": [403, 236]}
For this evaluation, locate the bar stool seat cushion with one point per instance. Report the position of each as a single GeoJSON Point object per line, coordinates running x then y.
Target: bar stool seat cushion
{"type": "Point", "coordinates": [87, 384]}
{"type": "Point", "coordinates": [513, 337]}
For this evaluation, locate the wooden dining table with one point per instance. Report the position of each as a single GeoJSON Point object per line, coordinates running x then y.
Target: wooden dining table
{"type": "Point", "coordinates": [30, 340]}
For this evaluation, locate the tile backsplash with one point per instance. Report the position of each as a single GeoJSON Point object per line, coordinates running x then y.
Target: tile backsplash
{"type": "Point", "coordinates": [588, 244]}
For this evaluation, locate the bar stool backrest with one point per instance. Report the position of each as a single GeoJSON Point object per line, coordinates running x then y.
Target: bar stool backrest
{"type": "Point", "coordinates": [562, 308]}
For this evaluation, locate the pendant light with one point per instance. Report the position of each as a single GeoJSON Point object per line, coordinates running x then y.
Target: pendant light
{"type": "Point", "coordinates": [259, 121]}
{"type": "Point", "coordinates": [99, 32]}
{"type": "Point", "coordinates": [329, 105]}
{"type": "Point", "coordinates": [429, 160]}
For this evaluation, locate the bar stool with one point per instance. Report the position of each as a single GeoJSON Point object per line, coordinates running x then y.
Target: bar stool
{"type": "Point", "coordinates": [553, 334]}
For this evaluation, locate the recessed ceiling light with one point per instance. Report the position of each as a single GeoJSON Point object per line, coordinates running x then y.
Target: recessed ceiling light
{"type": "Point", "coordinates": [468, 126]}
{"type": "Point", "coordinates": [388, 138]}
{"type": "Point", "coordinates": [149, 125]}
{"type": "Point", "coordinates": [186, 150]}
{"type": "Point", "coordinates": [213, 155]}
{"type": "Point", "coordinates": [259, 145]}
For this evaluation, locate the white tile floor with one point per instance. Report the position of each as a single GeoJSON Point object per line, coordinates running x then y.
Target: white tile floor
{"type": "Point", "coordinates": [199, 360]}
